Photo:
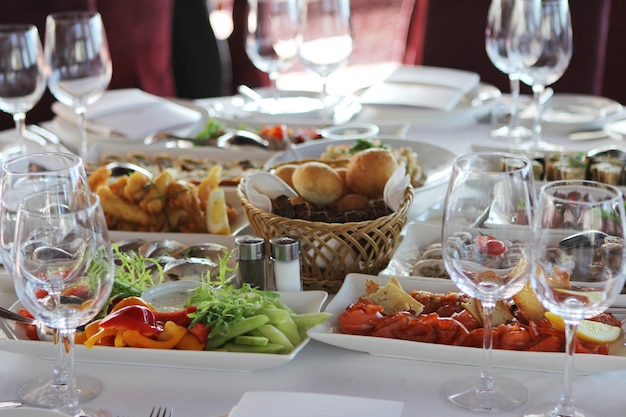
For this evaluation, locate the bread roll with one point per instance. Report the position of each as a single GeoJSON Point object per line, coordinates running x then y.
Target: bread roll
{"type": "Point", "coordinates": [369, 171]}
{"type": "Point", "coordinates": [318, 183]}
{"type": "Point", "coordinates": [285, 173]}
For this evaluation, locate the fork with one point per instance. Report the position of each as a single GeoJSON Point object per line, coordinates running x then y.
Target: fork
{"type": "Point", "coordinates": [161, 412]}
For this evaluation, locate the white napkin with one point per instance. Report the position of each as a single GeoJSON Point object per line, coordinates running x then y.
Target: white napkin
{"type": "Point", "coordinates": [262, 187]}
{"type": "Point", "coordinates": [396, 186]}
{"type": "Point", "coordinates": [131, 113]}
{"type": "Point", "coordinates": [425, 87]}
{"type": "Point", "coordinates": [300, 404]}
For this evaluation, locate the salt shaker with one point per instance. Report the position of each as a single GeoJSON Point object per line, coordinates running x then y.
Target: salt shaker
{"type": "Point", "coordinates": [285, 253]}
{"type": "Point", "coordinates": [251, 259]}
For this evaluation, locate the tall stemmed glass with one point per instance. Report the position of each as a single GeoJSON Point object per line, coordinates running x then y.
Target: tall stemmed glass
{"type": "Point", "coordinates": [22, 176]}
{"type": "Point", "coordinates": [576, 280]}
{"type": "Point", "coordinates": [489, 204]}
{"type": "Point", "coordinates": [272, 39]}
{"type": "Point", "coordinates": [79, 64]}
{"type": "Point", "coordinates": [541, 47]}
{"type": "Point", "coordinates": [326, 38]}
{"type": "Point", "coordinates": [496, 34]}
{"type": "Point", "coordinates": [63, 267]}
{"type": "Point", "coordinates": [22, 79]}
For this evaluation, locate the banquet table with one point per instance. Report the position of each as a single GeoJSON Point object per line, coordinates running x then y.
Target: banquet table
{"type": "Point", "coordinates": [132, 390]}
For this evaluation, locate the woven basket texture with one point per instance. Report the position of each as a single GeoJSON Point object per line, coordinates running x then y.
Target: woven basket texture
{"type": "Point", "coordinates": [330, 251]}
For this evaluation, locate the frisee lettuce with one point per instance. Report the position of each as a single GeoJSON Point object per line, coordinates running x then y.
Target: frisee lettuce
{"type": "Point", "coordinates": [221, 305]}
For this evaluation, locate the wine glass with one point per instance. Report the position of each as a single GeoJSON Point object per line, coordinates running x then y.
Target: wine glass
{"type": "Point", "coordinates": [79, 64]}
{"type": "Point", "coordinates": [496, 35]}
{"type": "Point", "coordinates": [326, 38]}
{"type": "Point", "coordinates": [272, 39]}
{"type": "Point", "coordinates": [540, 46]}
{"type": "Point", "coordinates": [22, 176]}
{"type": "Point", "coordinates": [22, 80]}
{"type": "Point", "coordinates": [488, 207]}
{"type": "Point", "coordinates": [63, 267]}
{"type": "Point", "coordinates": [576, 282]}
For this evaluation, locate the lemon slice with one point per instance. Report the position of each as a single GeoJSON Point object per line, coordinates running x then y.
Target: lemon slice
{"type": "Point", "coordinates": [594, 297]}
{"type": "Point", "coordinates": [591, 331]}
{"type": "Point", "coordinates": [216, 215]}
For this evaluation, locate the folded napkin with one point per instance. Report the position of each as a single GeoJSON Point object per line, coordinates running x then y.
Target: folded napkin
{"type": "Point", "coordinates": [131, 113]}
{"type": "Point", "coordinates": [420, 86]}
{"type": "Point", "coordinates": [300, 404]}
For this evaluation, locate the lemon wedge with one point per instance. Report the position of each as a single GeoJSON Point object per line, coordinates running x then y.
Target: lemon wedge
{"type": "Point", "coordinates": [216, 213]}
{"type": "Point", "coordinates": [591, 331]}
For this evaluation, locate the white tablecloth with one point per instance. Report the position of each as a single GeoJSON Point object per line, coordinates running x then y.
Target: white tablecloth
{"type": "Point", "coordinates": [133, 390]}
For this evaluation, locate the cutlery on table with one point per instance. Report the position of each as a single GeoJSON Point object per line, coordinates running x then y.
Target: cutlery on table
{"type": "Point", "coordinates": [10, 404]}
{"type": "Point", "coordinates": [43, 331]}
{"type": "Point", "coordinates": [162, 412]}
{"type": "Point", "coordinates": [586, 238]}
{"type": "Point", "coordinates": [237, 137]}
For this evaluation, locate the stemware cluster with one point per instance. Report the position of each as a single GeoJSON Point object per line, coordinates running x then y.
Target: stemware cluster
{"type": "Point", "coordinates": [491, 196]}
{"type": "Point", "coordinates": [75, 62]}
{"type": "Point", "coordinates": [319, 32]}
{"type": "Point", "coordinates": [54, 242]}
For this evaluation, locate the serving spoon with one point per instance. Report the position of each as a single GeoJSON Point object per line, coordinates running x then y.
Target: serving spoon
{"type": "Point", "coordinates": [228, 139]}
{"type": "Point", "coordinates": [43, 332]}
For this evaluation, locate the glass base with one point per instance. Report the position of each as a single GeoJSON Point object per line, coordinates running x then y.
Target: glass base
{"type": "Point", "coordinates": [549, 410]}
{"type": "Point", "coordinates": [513, 134]}
{"type": "Point", "coordinates": [506, 395]}
{"type": "Point", "coordinates": [43, 392]}
{"type": "Point", "coordinates": [537, 146]}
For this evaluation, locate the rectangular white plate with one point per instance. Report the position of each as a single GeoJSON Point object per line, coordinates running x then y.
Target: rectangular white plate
{"type": "Point", "coordinates": [354, 286]}
{"type": "Point", "coordinates": [300, 302]}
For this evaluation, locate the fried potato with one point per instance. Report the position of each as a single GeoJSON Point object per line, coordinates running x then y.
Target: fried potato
{"type": "Point", "coordinates": [116, 206]}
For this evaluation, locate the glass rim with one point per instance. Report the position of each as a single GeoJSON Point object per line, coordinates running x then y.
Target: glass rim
{"type": "Point", "coordinates": [59, 155]}
{"type": "Point", "coordinates": [613, 192]}
{"type": "Point", "coordinates": [492, 154]}
{"type": "Point", "coordinates": [8, 29]}
{"type": "Point", "coordinates": [73, 15]}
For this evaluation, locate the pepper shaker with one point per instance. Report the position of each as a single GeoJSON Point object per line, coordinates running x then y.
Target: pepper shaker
{"type": "Point", "coordinates": [251, 259]}
{"type": "Point", "coordinates": [285, 255]}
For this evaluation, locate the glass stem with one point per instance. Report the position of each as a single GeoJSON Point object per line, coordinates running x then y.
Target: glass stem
{"type": "Point", "coordinates": [20, 128]}
{"type": "Point", "coordinates": [486, 375]}
{"type": "Point", "coordinates": [70, 406]}
{"type": "Point", "coordinates": [537, 94]}
{"type": "Point", "coordinates": [59, 372]}
{"type": "Point", "coordinates": [324, 97]}
{"type": "Point", "coordinates": [82, 130]}
{"type": "Point", "coordinates": [273, 75]}
{"type": "Point", "coordinates": [515, 87]}
{"type": "Point", "coordinates": [565, 407]}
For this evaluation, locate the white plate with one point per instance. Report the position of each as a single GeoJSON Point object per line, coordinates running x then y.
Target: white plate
{"type": "Point", "coordinates": [29, 412]}
{"type": "Point", "coordinates": [436, 162]}
{"type": "Point", "coordinates": [572, 112]}
{"type": "Point", "coordinates": [417, 236]}
{"type": "Point", "coordinates": [354, 286]}
{"type": "Point", "coordinates": [474, 105]}
{"type": "Point", "coordinates": [300, 302]}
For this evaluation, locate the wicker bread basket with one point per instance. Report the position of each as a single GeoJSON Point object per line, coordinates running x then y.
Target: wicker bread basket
{"type": "Point", "coordinates": [329, 251]}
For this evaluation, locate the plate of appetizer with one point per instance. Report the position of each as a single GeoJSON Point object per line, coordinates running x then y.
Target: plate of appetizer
{"type": "Point", "coordinates": [437, 292]}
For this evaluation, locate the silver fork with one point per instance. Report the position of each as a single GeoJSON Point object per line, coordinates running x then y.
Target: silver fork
{"type": "Point", "coordinates": [162, 412]}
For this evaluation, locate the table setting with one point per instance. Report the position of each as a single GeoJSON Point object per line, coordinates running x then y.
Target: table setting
{"type": "Point", "coordinates": [452, 184]}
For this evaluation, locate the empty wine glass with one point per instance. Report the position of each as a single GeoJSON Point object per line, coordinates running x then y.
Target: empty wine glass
{"type": "Point", "coordinates": [22, 80]}
{"type": "Point", "coordinates": [79, 64]}
{"type": "Point", "coordinates": [63, 268]}
{"type": "Point", "coordinates": [326, 38]}
{"type": "Point", "coordinates": [22, 176]}
{"type": "Point", "coordinates": [488, 207]}
{"type": "Point", "coordinates": [580, 281]}
{"type": "Point", "coordinates": [272, 39]}
{"type": "Point", "coordinates": [496, 34]}
{"type": "Point", "coordinates": [540, 46]}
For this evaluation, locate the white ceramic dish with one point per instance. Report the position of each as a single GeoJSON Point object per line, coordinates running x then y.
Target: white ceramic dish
{"type": "Point", "coordinates": [572, 112]}
{"type": "Point", "coordinates": [29, 412]}
{"type": "Point", "coordinates": [354, 286]}
{"type": "Point", "coordinates": [436, 162]}
{"type": "Point", "coordinates": [474, 105]}
{"type": "Point", "coordinates": [300, 302]}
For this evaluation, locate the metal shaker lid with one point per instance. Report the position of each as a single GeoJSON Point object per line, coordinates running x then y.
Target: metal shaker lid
{"type": "Point", "coordinates": [251, 248]}
{"type": "Point", "coordinates": [284, 248]}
